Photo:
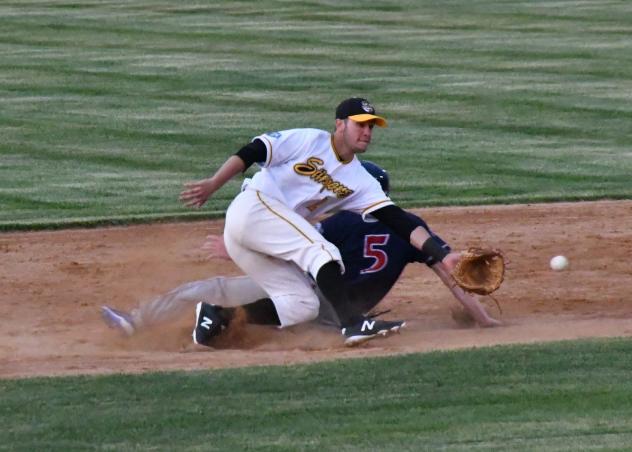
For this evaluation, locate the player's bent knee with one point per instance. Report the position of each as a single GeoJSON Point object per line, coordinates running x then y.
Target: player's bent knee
{"type": "Point", "coordinates": [293, 310]}
{"type": "Point", "coordinates": [312, 258]}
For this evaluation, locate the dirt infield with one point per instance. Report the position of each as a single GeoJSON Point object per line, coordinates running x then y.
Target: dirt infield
{"type": "Point", "coordinates": [52, 284]}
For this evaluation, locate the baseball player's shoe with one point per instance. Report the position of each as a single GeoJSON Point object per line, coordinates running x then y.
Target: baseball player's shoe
{"type": "Point", "coordinates": [118, 320]}
{"type": "Point", "coordinates": [209, 322]}
{"type": "Point", "coordinates": [369, 328]}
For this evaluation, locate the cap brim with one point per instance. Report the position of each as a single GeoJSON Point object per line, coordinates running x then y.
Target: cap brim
{"type": "Point", "coordinates": [379, 121]}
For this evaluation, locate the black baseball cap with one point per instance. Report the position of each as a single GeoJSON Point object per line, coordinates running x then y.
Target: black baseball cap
{"type": "Point", "coordinates": [359, 110]}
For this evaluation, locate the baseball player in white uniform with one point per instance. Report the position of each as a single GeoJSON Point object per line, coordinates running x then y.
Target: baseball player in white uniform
{"type": "Point", "coordinates": [307, 173]}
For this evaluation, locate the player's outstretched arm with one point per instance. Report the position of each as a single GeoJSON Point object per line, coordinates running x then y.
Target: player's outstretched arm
{"type": "Point", "coordinates": [395, 218]}
{"type": "Point", "coordinates": [197, 193]}
{"type": "Point", "coordinates": [469, 301]}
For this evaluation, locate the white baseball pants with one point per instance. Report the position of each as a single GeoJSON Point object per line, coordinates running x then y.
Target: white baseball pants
{"type": "Point", "coordinates": [276, 247]}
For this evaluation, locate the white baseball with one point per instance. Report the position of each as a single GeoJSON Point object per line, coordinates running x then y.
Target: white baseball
{"type": "Point", "coordinates": [559, 263]}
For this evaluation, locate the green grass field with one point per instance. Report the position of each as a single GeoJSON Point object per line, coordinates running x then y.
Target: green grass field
{"type": "Point", "coordinates": [107, 107]}
{"type": "Point", "coordinates": [564, 396]}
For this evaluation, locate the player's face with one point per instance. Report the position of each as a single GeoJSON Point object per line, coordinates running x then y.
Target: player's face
{"type": "Point", "coordinates": [357, 135]}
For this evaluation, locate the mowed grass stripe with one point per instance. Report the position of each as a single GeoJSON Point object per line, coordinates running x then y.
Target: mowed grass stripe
{"type": "Point", "coordinates": [566, 395]}
{"type": "Point", "coordinates": [172, 88]}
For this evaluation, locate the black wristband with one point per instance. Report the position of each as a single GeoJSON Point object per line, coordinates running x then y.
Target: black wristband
{"type": "Point", "coordinates": [434, 249]}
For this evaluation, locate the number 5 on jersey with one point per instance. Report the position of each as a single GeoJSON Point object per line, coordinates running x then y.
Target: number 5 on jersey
{"type": "Point", "coordinates": [372, 242]}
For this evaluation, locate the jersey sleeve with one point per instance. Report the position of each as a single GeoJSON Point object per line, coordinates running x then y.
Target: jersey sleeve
{"type": "Point", "coordinates": [368, 195]}
{"type": "Point", "coordinates": [283, 145]}
{"type": "Point", "coordinates": [373, 198]}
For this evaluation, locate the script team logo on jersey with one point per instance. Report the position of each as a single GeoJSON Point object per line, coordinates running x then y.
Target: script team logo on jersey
{"type": "Point", "coordinates": [312, 169]}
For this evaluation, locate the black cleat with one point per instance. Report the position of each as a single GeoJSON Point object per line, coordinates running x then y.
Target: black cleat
{"type": "Point", "coordinates": [209, 322]}
{"type": "Point", "coordinates": [368, 328]}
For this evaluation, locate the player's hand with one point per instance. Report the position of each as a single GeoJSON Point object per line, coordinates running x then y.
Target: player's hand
{"type": "Point", "coordinates": [467, 318]}
{"type": "Point", "coordinates": [488, 322]}
{"type": "Point", "coordinates": [451, 260]}
{"type": "Point", "coordinates": [215, 247]}
{"type": "Point", "coordinates": [195, 194]}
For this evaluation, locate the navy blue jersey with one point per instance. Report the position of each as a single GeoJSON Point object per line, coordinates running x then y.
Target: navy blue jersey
{"type": "Point", "coordinates": [374, 256]}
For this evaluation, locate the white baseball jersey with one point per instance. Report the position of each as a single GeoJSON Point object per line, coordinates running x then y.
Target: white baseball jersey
{"type": "Point", "coordinates": [268, 233]}
{"type": "Point", "coordinates": [304, 171]}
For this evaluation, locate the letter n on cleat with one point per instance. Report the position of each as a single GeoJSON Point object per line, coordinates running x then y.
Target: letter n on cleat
{"type": "Point", "coordinates": [206, 323]}
{"type": "Point", "coordinates": [367, 325]}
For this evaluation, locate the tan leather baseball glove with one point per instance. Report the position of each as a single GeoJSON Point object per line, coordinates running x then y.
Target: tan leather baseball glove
{"type": "Point", "coordinates": [480, 270]}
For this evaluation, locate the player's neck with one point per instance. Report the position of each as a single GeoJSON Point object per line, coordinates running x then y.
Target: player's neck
{"type": "Point", "coordinates": [344, 152]}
